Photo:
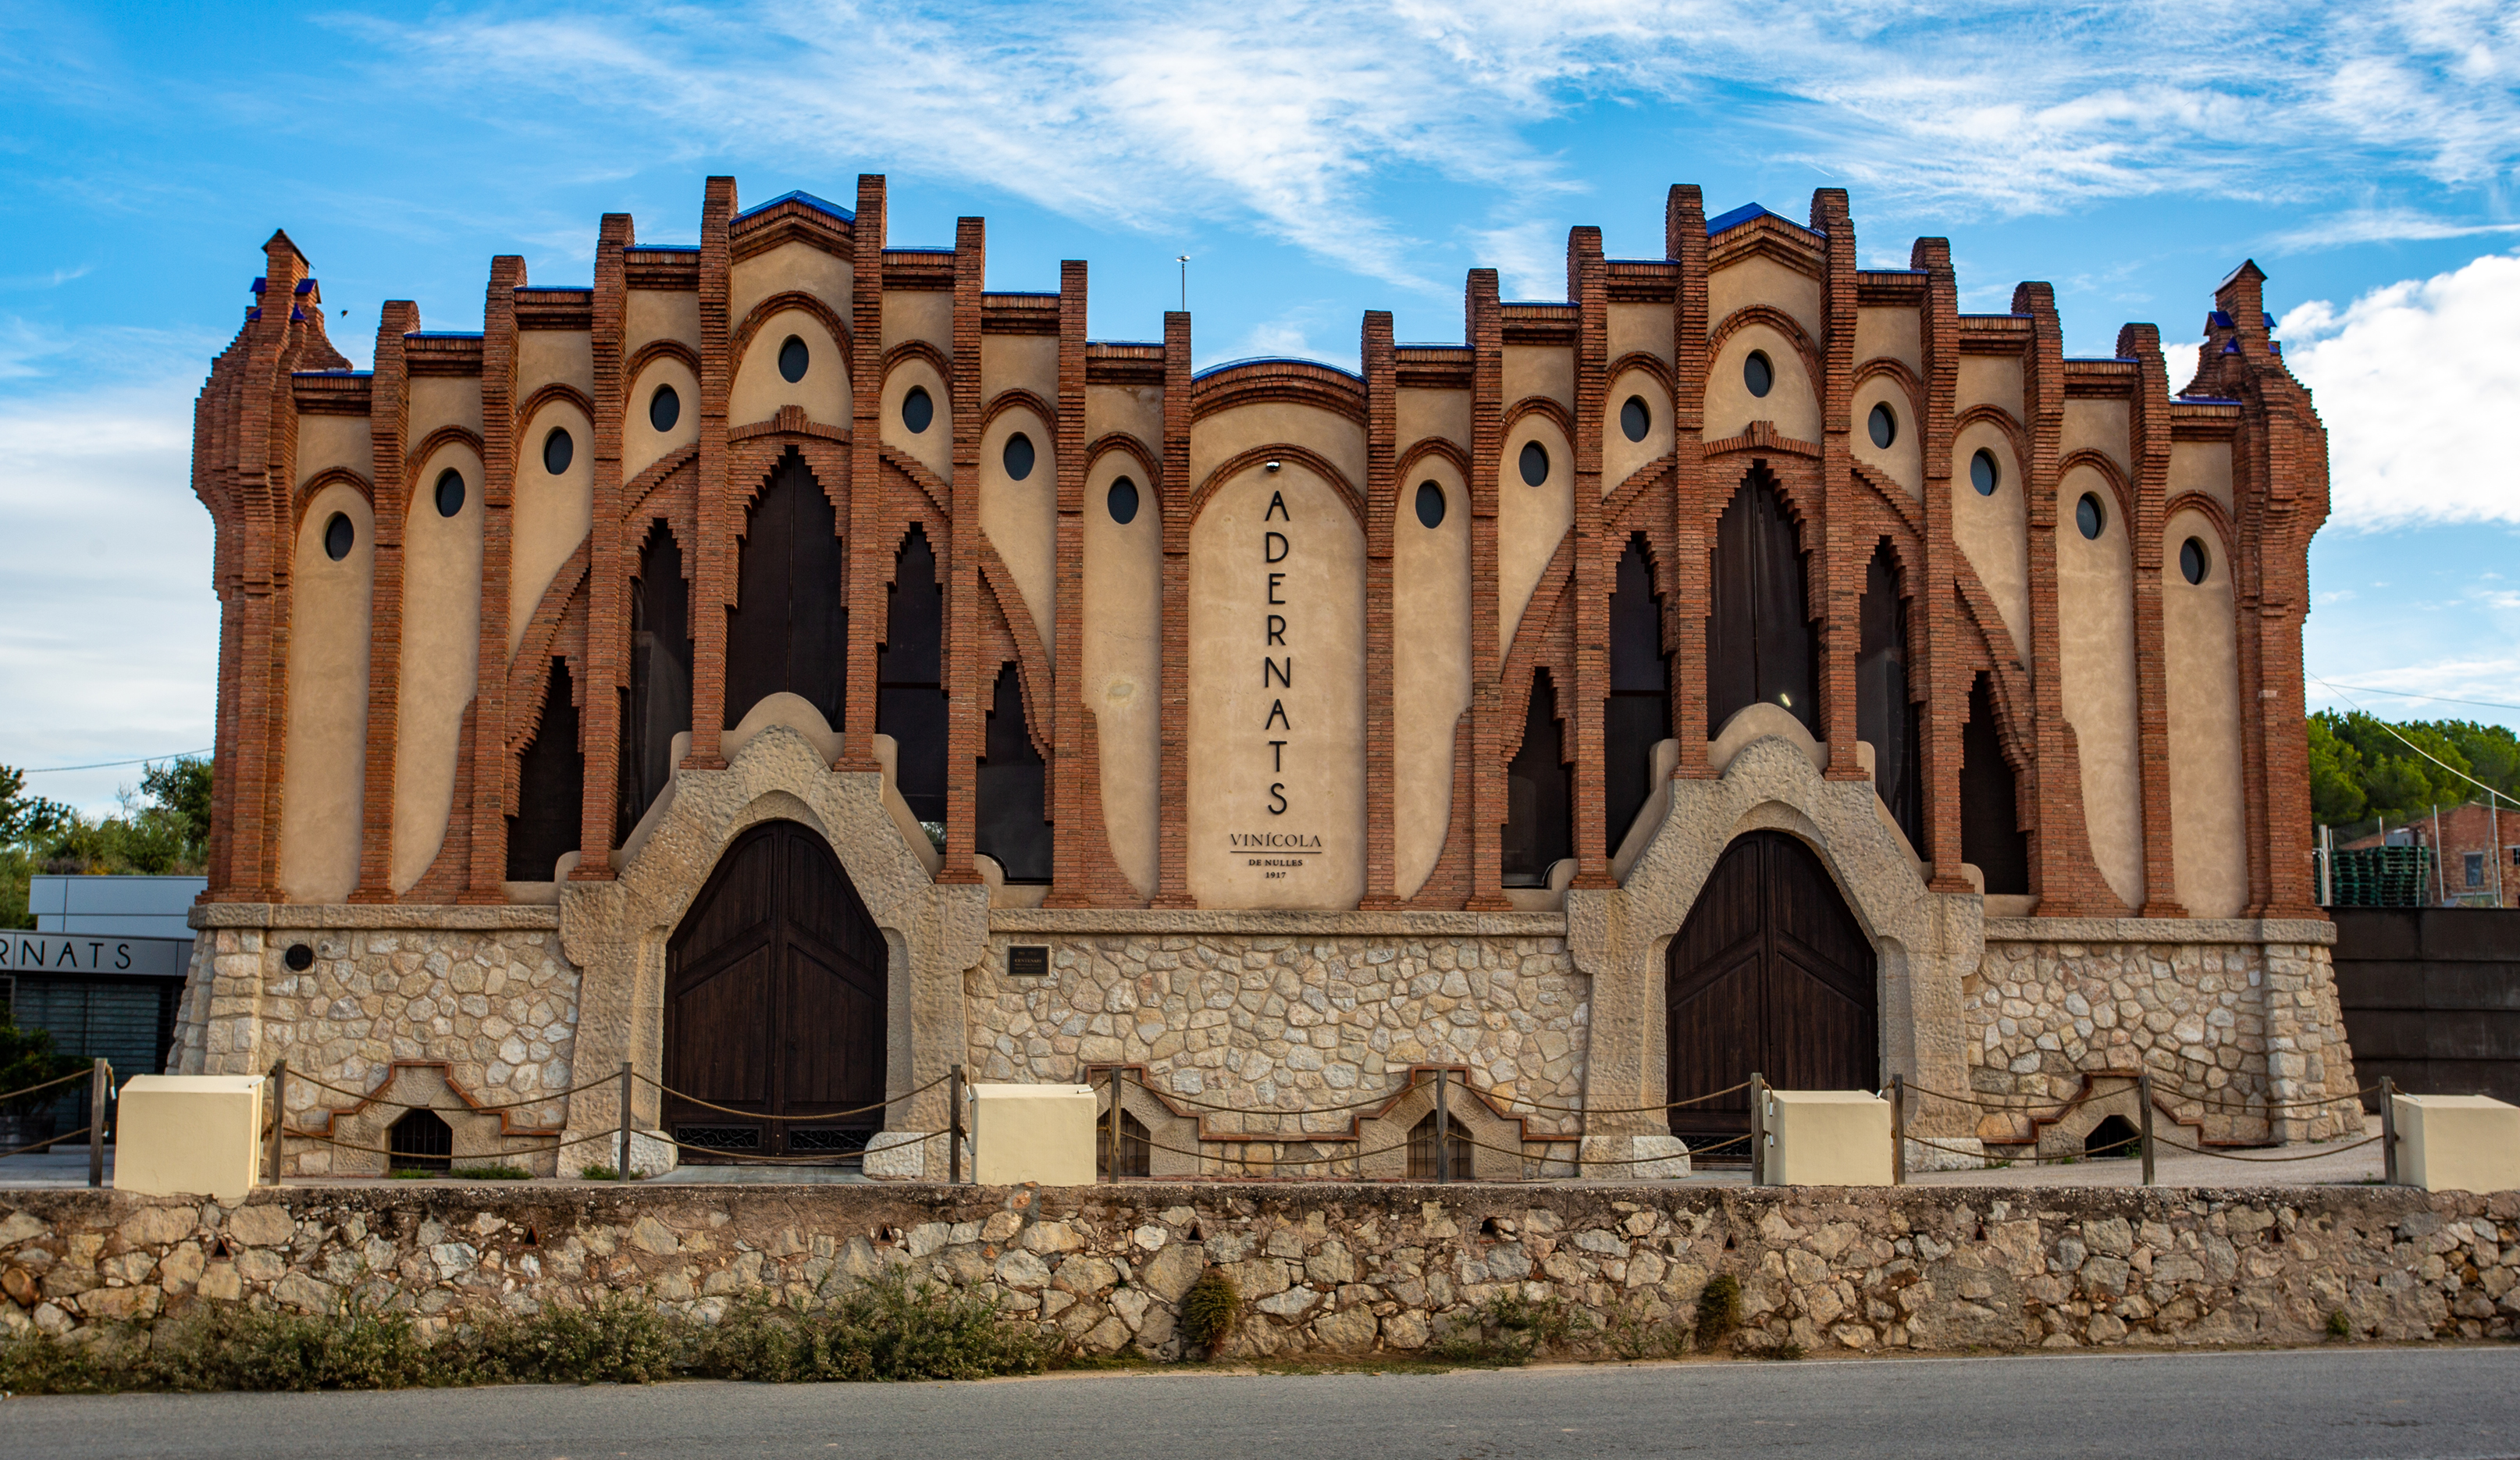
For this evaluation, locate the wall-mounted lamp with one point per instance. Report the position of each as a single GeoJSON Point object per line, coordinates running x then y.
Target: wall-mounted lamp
{"type": "Point", "coordinates": [1272, 464]}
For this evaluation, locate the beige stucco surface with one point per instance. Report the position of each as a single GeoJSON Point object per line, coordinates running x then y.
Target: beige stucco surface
{"type": "Point", "coordinates": [932, 448]}
{"type": "Point", "coordinates": [1790, 403]}
{"type": "Point", "coordinates": [1218, 438]}
{"type": "Point", "coordinates": [328, 441]}
{"type": "Point", "coordinates": [1904, 460]}
{"type": "Point", "coordinates": [323, 777]}
{"type": "Point", "coordinates": [1430, 669]}
{"type": "Point", "coordinates": [1757, 279]}
{"type": "Point", "coordinates": [659, 315]}
{"type": "Point", "coordinates": [1990, 379]}
{"type": "Point", "coordinates": [1131, 410]}
{"type": "Point", "coordinates": [547, 357]}
{"type": "Point", "coordinates": [642, 444]}
{"type": "Point", "coordinates": [796, 265]}
{"type": "Point", "coordinates": [759, 390]}
{"type": "Point", "coordinates": [1322, 770]}
{"type": "Point", "coordinates": [1544, 370]}
{"type": "Point", "coordinates": [1621, 457]}
{"type": "Point", "coordinates": [189, 1135]}
{"type": "Point", "coordinates": [551, 514]}
{"type": "Point", "coordinates": [1994, 533]}
{"type": "Point", "coordinates": [2099, 425]}
{"type": "Point", "coordinates": [2202, 466]}
{"type": "Point", "coordinates": [441, 646]}
{"type": "Point", "coordinates": [1639, 329]}
{"type": "Point", "coordinates": [438, 400]}
{"type": "Point", "coordinates": [1122, 660]}
{"type": "Point", "coordinates": [2095, 638]}
{"type": "Point", "coordinates": [2201, 665]}
{"type": "Point", "coordinates": [1530, 519]}
{"type": "Point", "coordinates": [1443, 414]}
{"type": "Point", "coordinates": [1021, 518]}
{"type": "Point", "coordinates": [919, 314]}
{"type": "Point", "coordinates": [1888, 334]}
{"type": "Point", "coordinates": [1019, 362]}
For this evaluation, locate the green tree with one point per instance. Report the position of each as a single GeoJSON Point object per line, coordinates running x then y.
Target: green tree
{"type": "Point", "coordinates": [27, 1058]}
{"type": "Point", "coordinates": [2336, 774]}
{"type": "Point", "coordinates": [2361, 767]}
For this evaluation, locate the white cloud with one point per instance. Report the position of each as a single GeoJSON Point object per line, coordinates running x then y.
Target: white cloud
{"type": "Point", "coordinates": [2417, 383]}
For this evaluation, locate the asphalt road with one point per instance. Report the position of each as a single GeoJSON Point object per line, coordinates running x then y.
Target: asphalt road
{"type": "Point", "coordinates": [2304, 1405]}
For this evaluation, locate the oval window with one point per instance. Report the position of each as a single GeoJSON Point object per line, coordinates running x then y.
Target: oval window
{"type": "Point", "coordinates": [1634, 419]}
{"type": "Point", "coordinates": [2193, 565]}
{"type": "Point", "coordinates": [794, 358]}
{"type": "Point", "coordinates": [2087, 516]}
{"type": "Point", "coordinates": [917, 410]}
{"type": "Point", "coordinates": [1758, 374]}
{"type": "Point", "coordinates": [1984, 474]}
{"type": "Point", "coordinates": [1018, 456]}
{"type": "Point", "coordinates": [1885, 425]}
{"type": "Point", "coordinates": [339, 535]}
{"type": "Point", "coordinates": [450, 492]}
{"type": "Point", "coordinates": [558, 451]}
{"type": "Point", "coordinates": [664, 408]}
{"type": "Point", "coordinates": [1430, 505]}
{"type": "Point", "coordinates": [1122, 501]}
{"type": "Point", "coordinates": [1534, 463]}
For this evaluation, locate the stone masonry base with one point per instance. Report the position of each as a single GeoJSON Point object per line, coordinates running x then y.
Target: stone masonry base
{"type": "Point", "coordinates": [1332, 1268]}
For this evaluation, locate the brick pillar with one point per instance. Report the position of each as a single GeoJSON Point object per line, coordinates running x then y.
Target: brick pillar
{"type": "Point", "coordinates": [609, 564]}
{"type": "Point", "coordinates": [1685, 591]}
{"type": "Point", "coordinates": [712, 573]}
{"type": "Point", "coordinates": [1172, 842]}
{"type": "Point", "coordinates": [966, 682]}
{"type": "Point", "coordinates": [1936, 636]}
{"type": "Point", "coordinates": [490, 761]}
{"type": "Point", "coordinates": [1381, 504]}
{"type": "Point", "coordinates": [1841, 558]}
{"type": "Point", "coordinates": [1485, 330]}
{"type": "Point", "coordinates": [869, 558]}
{"type": "Point", "coordinates": [2149, 427]}
{"type": "Point", "coordinates": [1596, 560]}
{"type": "Point", "coordinates": [388, 434]}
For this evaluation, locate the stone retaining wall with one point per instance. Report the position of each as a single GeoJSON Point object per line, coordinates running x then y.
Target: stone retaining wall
{"type": "Point", "coordinates": [1334, 1268]}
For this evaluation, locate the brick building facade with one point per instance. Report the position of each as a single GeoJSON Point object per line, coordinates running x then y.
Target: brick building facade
{"type": "Point", "coordinates": [1321, 730]}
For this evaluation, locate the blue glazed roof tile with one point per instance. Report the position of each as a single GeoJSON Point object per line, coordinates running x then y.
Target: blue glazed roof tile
{"type": "Point", "coordinates": [819, 205]}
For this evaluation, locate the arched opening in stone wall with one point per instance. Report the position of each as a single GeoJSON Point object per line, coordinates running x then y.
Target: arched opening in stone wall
{"type": "Point", "coordinates": [420, 1141]}
{"type": "Point", "coordinates": [1013, 824]}
{"type": "Point", "coordinates": [1638, 715]}
{"type": "Point", "coordinates": [1137, 1147]}
{"type": "Point", "coordinates": [910, 681]}
{"type": "Point", "coordinates": [775, 1005]}
{"type": "Point", "coordinates": [1539, 796]}
{"type": "Point", "coordinates": [550, 786]}
{"type": "Point", "coordinates": [1771, 975]}
{"type": "Point", "coordinates": [1884, 716]}
{"type": "Point", "coordinates": [659, 703]}
{"type": "Point", "coordinates": [1991, 838]}
{"type": "Point", "coordinates": [1761, 646]}
{"type": "Point", "coordinates": [1423, 1148]}
{"type": "Point", "coordinates": [790, 626]}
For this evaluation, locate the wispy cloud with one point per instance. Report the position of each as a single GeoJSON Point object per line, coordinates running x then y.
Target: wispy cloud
{"type": "Point", "coordinates": [2381, 226]}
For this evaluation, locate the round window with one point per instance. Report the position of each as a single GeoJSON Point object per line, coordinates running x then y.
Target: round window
{"type": "Point", "coordinates": [1122, 501]}
{"type": "Point", "coordinates": [1758, 374]}
{"type": "Point", "coordinates": [450, 492]}
{"type": "Point", "coordinates": [1984, 475]}
{"type": "Point", "coordinates": [558, 451]}
{"type": "Point", "coordinates": [794, 358]}
{"type": "Point", "coordinates": [2194, 563]}
{"type": "Point", "coordinates": [1634, 419]}
{"type": "Point", "coordinates": [1430, 505]}
{"type": "Point", "coordinates": [664, 408]}
{"type": "Point", "coordinates": [339, 535]}
{"type": "Point", "coordinates": [917, 410]}
{"type": "Point", "coordinates": [1018, 456]}
{"type": "Point", "coordinates": [1885, 425]}
{"type": "Point", "coordinates": [2088, 516]}
{"type": "Point", "coordinates": [1534, 463]}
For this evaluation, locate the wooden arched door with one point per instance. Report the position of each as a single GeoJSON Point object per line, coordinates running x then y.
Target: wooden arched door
{"type": "Point", "coordinates": [1771, 974]}
{"type": "Point", "coordinates": [775, 1004]}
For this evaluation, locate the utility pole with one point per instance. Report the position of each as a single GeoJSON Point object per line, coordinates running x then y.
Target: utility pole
{"type": "Point", "coordinates": [1184, 260]}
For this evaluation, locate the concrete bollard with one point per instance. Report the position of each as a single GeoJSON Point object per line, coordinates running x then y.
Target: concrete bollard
{"type": "Point", "coordinates": [189, 1135]}
{"type": "Point", "coordinates": [1041, 1133]}
{"type": "Point", "coordinates": [2457, 1142]}
{"type": "Point", "coordinates": [1827, 1138]}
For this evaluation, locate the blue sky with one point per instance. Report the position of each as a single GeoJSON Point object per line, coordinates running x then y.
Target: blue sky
{"type": "Point", "coordinates": [1314, 163]}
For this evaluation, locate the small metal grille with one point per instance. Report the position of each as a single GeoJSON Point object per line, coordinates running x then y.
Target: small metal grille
{"type": "Point", "coordinates": [422, 1142]}
{"type": "Point", "coordinates": [827, 1142]}
{"type": "Point", "coordinates": [720, 1137]}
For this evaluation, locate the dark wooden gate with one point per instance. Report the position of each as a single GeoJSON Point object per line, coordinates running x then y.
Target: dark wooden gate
{"type": "Point", "coordinates": [1771, 974]}
{"type": "Point", "coordinates": [775, 1004]}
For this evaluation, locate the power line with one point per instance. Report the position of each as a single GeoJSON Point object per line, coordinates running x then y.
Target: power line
{"type": "Point", "coordinates": [46, 770]}
{"type": "Point", "coordinates": [2409, 695]}
{"type": "Point", "coordinates": [2428, 755]}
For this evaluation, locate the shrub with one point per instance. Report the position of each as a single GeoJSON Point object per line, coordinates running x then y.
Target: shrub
{"type": "Point", "coordinates": [1509, 1328]}
{"type": "Point", "coordinates": [1210, 1309]}
{"type": "Point", "coordinates": [1718, 1311]}
{"type": "Point", "coordinates": [496, 1171]}
{"type": "Point", "coordinates": [885, 1328]}
{"type": "Point", "coordinates": [596, 1171]}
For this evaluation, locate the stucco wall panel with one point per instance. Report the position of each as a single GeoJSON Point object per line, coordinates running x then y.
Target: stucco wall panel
{"type": "Point", "coordinates": [2096, 640]}
{"type": "Point", "coordinates": [933, 447]}
{"type": "Point", "coordinates": [553, 357]}
{"type": "Point", "coordinates": [1903, 461]}
{"type": "Point", "coordinates": [1443, 414]}
{"type": "Point", "coordinates": [444, 400]}
{"type": "Point", "coordinates": [1991, 380]}
{"type": "Point", "coordinates": [1019, 362]}
{"type": "Point", "coordinates": [1640, 329]}
{"type": "Point", "coordinates": [1218, 438]}
{"type": "Point", "coordinates": [1121, 658]}
{"type": "Point", "coordinates": [919, 314]}
{"type": "Point", "coordinates": [1129, 410]}
{"type": "Point", "coordinates": [759, 388]}
{"type": "Point", "coordinates": [323, 779]}
{"type": "Point", "coordinates": [1545, 370]}
{"type": "Point", "coordinates": [1621, 457]}
{"type": "Point", "coordinates": [1892, 334]}
{"type": "Point", "coordinates": [2099, 425]}
{"type": "Point", "coordinates": [1021, 518]}
{"type": "Point", "coordinates": [642, 444]}
{"type": "Point", "coordinates": [2201, 665]}
{"type": "Point", "coordinates": [1430, 673]}
{"type": "Point", "coordinates": [441, 649]}
{"type": "Point", "coordinates": [1994, 533]}
{"type": "Point", "coordinates": [1760, 280]}
{"type": "Point", "coordinates": [328, 441]}
{"type": "Point", "coordinates": [1530, 519]}
{"type": "Point", "coordinates": [2202, 467]}
{"type": "Point", "coordinates": [1790, 403]}
{"type": "Point", "coordinates": [652, 314]}
{"type": "Point", "coordinates": [798, 266]}
{"type": "Point", "coordinates": [551, 513]}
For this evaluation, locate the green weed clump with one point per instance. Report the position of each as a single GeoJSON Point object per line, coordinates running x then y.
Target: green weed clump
{"type": "Point", "coordinates": [1210, 1309]}
{"type": "Point", "coordinates": [1507, 1330]}
{"type": "Point", "coordinates": [495, 1170]}
{"type": "Point", "coordinates": [1718, 1311]}
{"type": "Point", "coordinates": [2339, 1326]}
{"type": "Point", "coordinates": [884, 1329]}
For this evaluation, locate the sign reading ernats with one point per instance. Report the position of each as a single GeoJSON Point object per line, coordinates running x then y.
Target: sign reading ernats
{"type": "Point", "coordinates": [90, 954]}
{"type": "Point", "coordinates": [1276, 713]}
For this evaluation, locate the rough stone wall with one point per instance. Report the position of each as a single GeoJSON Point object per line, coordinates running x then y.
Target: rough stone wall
{"type": "Point", "coordinates": [1276, 1025]}
{"type": "Point", "coordinates": [1336, 1268]}
{"type": "Point", "coordinates": [2223, 1027]}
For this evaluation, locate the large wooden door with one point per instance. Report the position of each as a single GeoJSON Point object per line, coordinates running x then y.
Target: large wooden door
{"type": "Point", "coordinates": [1771, 974]}
{"type": "Point", "coordinates": [775, 1004]}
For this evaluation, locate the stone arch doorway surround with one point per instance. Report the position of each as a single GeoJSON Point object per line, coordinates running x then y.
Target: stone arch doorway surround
{"type": "Point", "coordinates": [774, 995]}
{"type": "Point", "coordinates": [779, 768]}
{"type": "Point", "coordinates": [1770, 974]}
{"type": "Point", "coordinates": [1767, 777]}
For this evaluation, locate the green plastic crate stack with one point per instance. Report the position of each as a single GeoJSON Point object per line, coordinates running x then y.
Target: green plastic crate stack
{"type": "Point", "coordinates": [2382, 877]}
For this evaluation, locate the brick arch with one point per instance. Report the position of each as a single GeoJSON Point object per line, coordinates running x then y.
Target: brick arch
{"type": "Point", "coordinates": [1135, 450]}
{"type": "Point", "coordinates": [1548, 406]}
{"type": "Point", "coordinates": [562, 391]}
{"type": "Point", "coordinates": [1780, 321]}
{"type": "Point", "coordinates": [2001, 419]}
{"type": "Point", "coordinates": [314, 486]}
{"type": "Point", "coordinates": [2114, 474]}
{"type": "Point", "coordinates": [1644, 360]}
{"type": "Point", "coordinates": [1018, 398]}
{"type": "Point", "coordinates": [1304, 456]}
{"type": "Point", "coordinates": [430, 445]}
{"type": "Point", "coordinates": [659, 350]}
{"type": "Point", "coordinates": [1441, 448]}
{"type": "Point", "coordinates": [739, 339]}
